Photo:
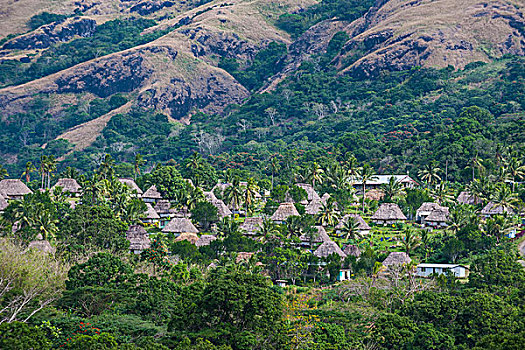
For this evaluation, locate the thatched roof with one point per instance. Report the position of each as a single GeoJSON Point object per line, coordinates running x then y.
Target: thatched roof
{"type": "Point", "coordinates": [312, 195]}
{"type": "Point", "coordinates": [493, 209]}
{"type": "Point", "coordinates": [438, 215]}
{"type": "Point", "coordinates": [314, 207]}
{"type": "Point", "coordinates": [362, 223]}
{"type": "Point", "coordinates": [388, 211]}
{"type": "Point", "coordinates": [251, 225]}
{"type": "Point", "coordinates": [68, 185]}
{"type": "Point", "coordinates": [152, 193]}
{"type": "Point", "coordinates": [466, 197]}
{"type": "Point", "coordinates": [3, 203]}
{"type": "Point", "coordinates": [210, 196]}
{"type": "Point", "coordinates": [428, 207]}
{"type": "Point", "coordinates": [187, 236]}
{"type": "Point", "coordinates": [205, 240]}
{"type": "Point", "coordinates": [131, 184]}
{"type": "Point", "coordinates": [397, 258]}
{"type": "Point", "coordinates": [328, 248]}
{"type": "Point", "coordinates": [13, 188]}
{"type": "Point", "coordinates": [180, 225]}
{"type": "Point", "coordinates": [150, 213]}
{"type": "Point", "coordinates": [374, 195]}
{"type": "Point", "coordinates": [163, 206]}
{"type": "Point", "coordinates": [284, 211]}
{"type": "Point", "coordinates": [352, 250]}
{"type": "Point", "coordinates": [42, 245]}
{"type": "Point", "coordinates": [325, 198]}
{"type": "Point", "coordinates": [138, 238]}
{"type": "Point", "coordinates": [221, 186]}
{"type": "Point", "coordinates": [319, 237]}
{"type": "Point", "coordinates": [243, 256]}
{"type": "Point", "coordinates": [222, 209]}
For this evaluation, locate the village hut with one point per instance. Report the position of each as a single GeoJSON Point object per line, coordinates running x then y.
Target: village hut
{"type": "Point", "coordinates": [318, 237]}
{"type": "Point", "coordinates": [243, 257]}
{"type": "Point", "coordinates": [397, 258]}
{"type": "Point", "coordinates": [151, 195]}
{"type": "Point", "coordinates": [325, 198]}
{"type": "Point", "coordinates": [310, 191]}
{"type": "Point", "coordinates": [425, 209]}
{"type": "Point", "coordinates": [163, 208]}
{"type": "Point", "coordinates": [363, 227]}
{"type": "Point", "coordinates": [374, 195]}
{"type": "Point", "coordinates": [13, 189]}
{"type": "Point", "coordinates": [220, 187]}
{"type": "Point", "coordinates": [150, 215]}
{"type": "Point", "coordinates": [222, 209]}
{"type": "Point", "coordinates": [205, 240]}
{"type": "Point", "coordinates": [3, 203]}
{"type": "Point", "coordinates": [210, 196]}
{"type": "Point", "coordinates": [138, 239]}
{"type": "Point", "coordinates": [68, 186]}
{"type": "Point", "coordinates": [328, 248]}
{"type": "Point", "coordinates": [437, 218]}
{"type": "Point", "coordinates": [186, 236]}
{"type": "Point", "coordinates": [388, 213]}
{"type": "Point", "coordinates": [180, 226]}
{"type": "Point", "coordinates": [494, 209]}
{"type": "Point", "coordinates": [251, 226]}
{"type": "Point", "coordinates": [132, 185]}
{"type": "Point", "coordinates": [352, 250]}
{"type": "Point", "coordinates": [284, 211]}
{"type": "Point", "coordinates": [42, 245]}
{"type": "Point", "coordinates": [314, 207]}
{"type": "Point", "coordinates": [466, 197]}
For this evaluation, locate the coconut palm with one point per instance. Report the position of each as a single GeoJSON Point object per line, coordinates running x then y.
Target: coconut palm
{"type": "Point", "coordinates": [234, 194]}
{"type": "Point", "coordinates": [268, 229]}
{"type": "Point", "coordinates": [44, 222]}
{"type": "Point", "coordinates": [315, 174]}
{"type": "Point", "coordinates": [504, 197]}
{"type": "Point", "coordinates": [515, 170]}
{"type": "Point", "coordinates": [393, 190]}
{"type": "Point", "coordinates": [365, 173]}
{"type": "Point", "coordinates": [430, 173]}
{"type": "Point", "coordinates": [481, 188]}
{"type": "Point", "coordinates": [328, 215]}
{"type": "Point", "coordinates": [411, 241]}
{"type": "Point", "coordinates": [442, 193]}
{"type": "Point", "coordinates": [139, 161]}
{"type": "Point", "coordinates": [250, 192]}
{"type": "Point", "coordinates": [106, 166]}
{"type": "Point", "coordinates": [498, 226]}
{"type": "Point", "coordinates": [273, 166]}
{"type": "Point", "coordinates": [28, 170]}
{"type": "Point", "coordinates": [193, 195]}
{"type": "Point", "coordinates": [227, 227]}
{"type": "Point", "coordinates": [350, 229]}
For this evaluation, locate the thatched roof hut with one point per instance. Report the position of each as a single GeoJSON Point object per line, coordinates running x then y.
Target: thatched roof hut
{"type": "Point", "coordinates": [284, 211]}
{"type": "Point", "coordinates": [138, 239]}
{"type": "Point", "coordinates": [388, 213]}
{"type": "Point", "coordinates": [180, 226]}
{"type": "Point", "coordinates": [352, 250]}
{"type": "Point", "coordinates": [163, 208]}
{"type": "Point", "coordinates": [243, 256]}
{"type": "Point", "coordinates": [251, 226]}
{"type": "Point", "coordinates": [13, 189]}
{"type": "Point", "coordinates": [438, 216]}
{"type": "Point", "coordinates": [328, 248]}
{"type": "Point", "coordinates": [150, 213]}
{"type": "Point", "coordinates": [131, 184]}
{"type": "Point", "coordinates": [205, 240]}
{"type": "Point", "coordinates": [493, 209]}
{"type": "Point", "coordinates": [426, 209]}
{"type": "Point", "coordinates": [363, 226]}
{"type": "Point", "coordinates": [314, 207]}
{"type": "Point", "coordinates": [151, 194]}
{"type": "Point", "coordinates": [466, 197]}
{"type": "Point", "coordinates": [42, 245]}
{"type": "Point", "coordinates": [222, 209]}
{"type": "Point", "coordinates": [3, 203]}
{"type": "Point", "coordinates": [312, 195]}
{"type": "Point", "coordinates": [187, 236]}
{"type": "Point", "coordinates": [210, 196]}
{"type": "Point", "coordinates": [397, 258]}
{"type": "Point", "coordinates": [68, 185]}
{"type": "Point", "coordinates": [319, 237]}
{"type": "Point", "coordinates": [374, 195]}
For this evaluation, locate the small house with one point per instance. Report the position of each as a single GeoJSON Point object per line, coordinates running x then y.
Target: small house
{"type": "Point", "coordinates": [178, 226]}
{"type": "Point", "coordinates": [281, 283]}
{"type": "Point", "coordinates": [466, 197]}
{"type": "Point", "coordinates": [328, 248]}
{"type": "Point", "coordinates": [3, 203]}
{"type": "Point", "coordinates": [150, 216]}
{"type": "Point", "coordinates": [397, 259]}
{"type": "Point", "coordinates": [222, 209]}
{"type": "Point", "coordinates": [376, 181]}
{"type": "Point", "coordinates": [151, 195]}
{"type": "Point", "coordinates": [13, 189]}
{"type": "Point", "coordinates": [187, 236]}
{"type": "Point", "coordinates": [494, 209]}
{"type": "Point", "coordinates": [132, 185]}
{"type": "Point", "coordinates": [251, 226]}
{"type": "Point", "coordinates": [42, 245]}
{"type": "Point", "coordinates": [68, 185]}
{"type": "Point", "coordinates": [284, 211]}
{"type": "Point", "coordinates": [363, 227]}
{"type": "Point", "coordinates": [205, 240]}
{"type": "Point", "coordinates": [319, 237]}
{"type": "Point", "coordinates": [314, 207]}
{"type": "Point", "coordinates": [427, 270]}
{"type": "Point", "coordinates": [437, 218]}
{"type": "Point", "coordinates": [388, 213]}
{"type": "Point", "coordinates": [165, 211]}
{"type": "Point", "coordinates": [352, 250]}
{"type": "Point", "coordinates": [138, 239]}
{"type": "Point", "coordinates": [310, 191]}
{"type": "Point", "coordinates": [344, 275]}
{"type": "Point", "coordinates": [425, 209]}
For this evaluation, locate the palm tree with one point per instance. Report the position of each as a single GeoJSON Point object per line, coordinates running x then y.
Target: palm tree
{"type": "Point", "coordinates": [44, 222]}
{"type": "Point", "coordinates": [227, 227]}
{"type": "Point", "coordinates": [410, 241]}
{"type": "Point", "coordinates": [139, 161]}
{"type": "Point", "coordinates": [365, 173]}
{"type": "Point", "coordinates": [194, 195]}
{"type": "Point", "coordinates": [106, 166]}
{"type": "Point", "coordinates": [250, 192]}
{"type": "Point", "coordinates": [392, 190]}
{"type": "Point", "coordinates": [328, 214]}
{"type": "Point", "coordinates": [315, 173]}
{"type": "Point", "coordinates": [28, 170]}
{"type": "Point", "coordinates": [43, 169]}
{"type": "Point", "coordinates": [443, 193]}
{"type": "Point", "coordinates": [426, 241]}
{"type": "Point", "coordinates": [351, 165]}
{"type": "Point", "coordinates": [268, 229]}
{"type": "Point", "coordinates": [234, 194]}
{"type": "Point", "coordinates": [430, 173]}
{"type": "Point", "coordinates": [350, 229]}
{"type": "Point", "coordinates": [273, 166]}
{"type": "Point", "coordinates": [504, 197]}
{"type": "Point", "coordinates": [498, 226]}
{"type": "Point", "coordinates": [3, 173]}
{"type": "Point", "coordinates": [50, 166]}
{"type": "Point", "coordinates": [515, 170]}
{"type": "Point", "coordinates": [481, 188]}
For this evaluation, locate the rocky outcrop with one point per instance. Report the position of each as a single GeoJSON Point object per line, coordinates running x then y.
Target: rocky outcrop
{"type": "Point", "coordinates": [50, 34]}
{"type": "Point", "coordinates": [147, 7]}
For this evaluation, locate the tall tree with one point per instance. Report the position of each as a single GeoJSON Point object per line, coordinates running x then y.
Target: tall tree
{"type": "Point", "coordinates": [139, 161]}
{"type": "Point", "coordinates": [365, 173]}
{"type": "Point", "coordinates": [430, 173]}
{"type": "Point", "coordinates": [234, 194]}
{"type": "Point", "coordinates": [315, 174]}
{"type": "Point", "coordinates": [28, 170]}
